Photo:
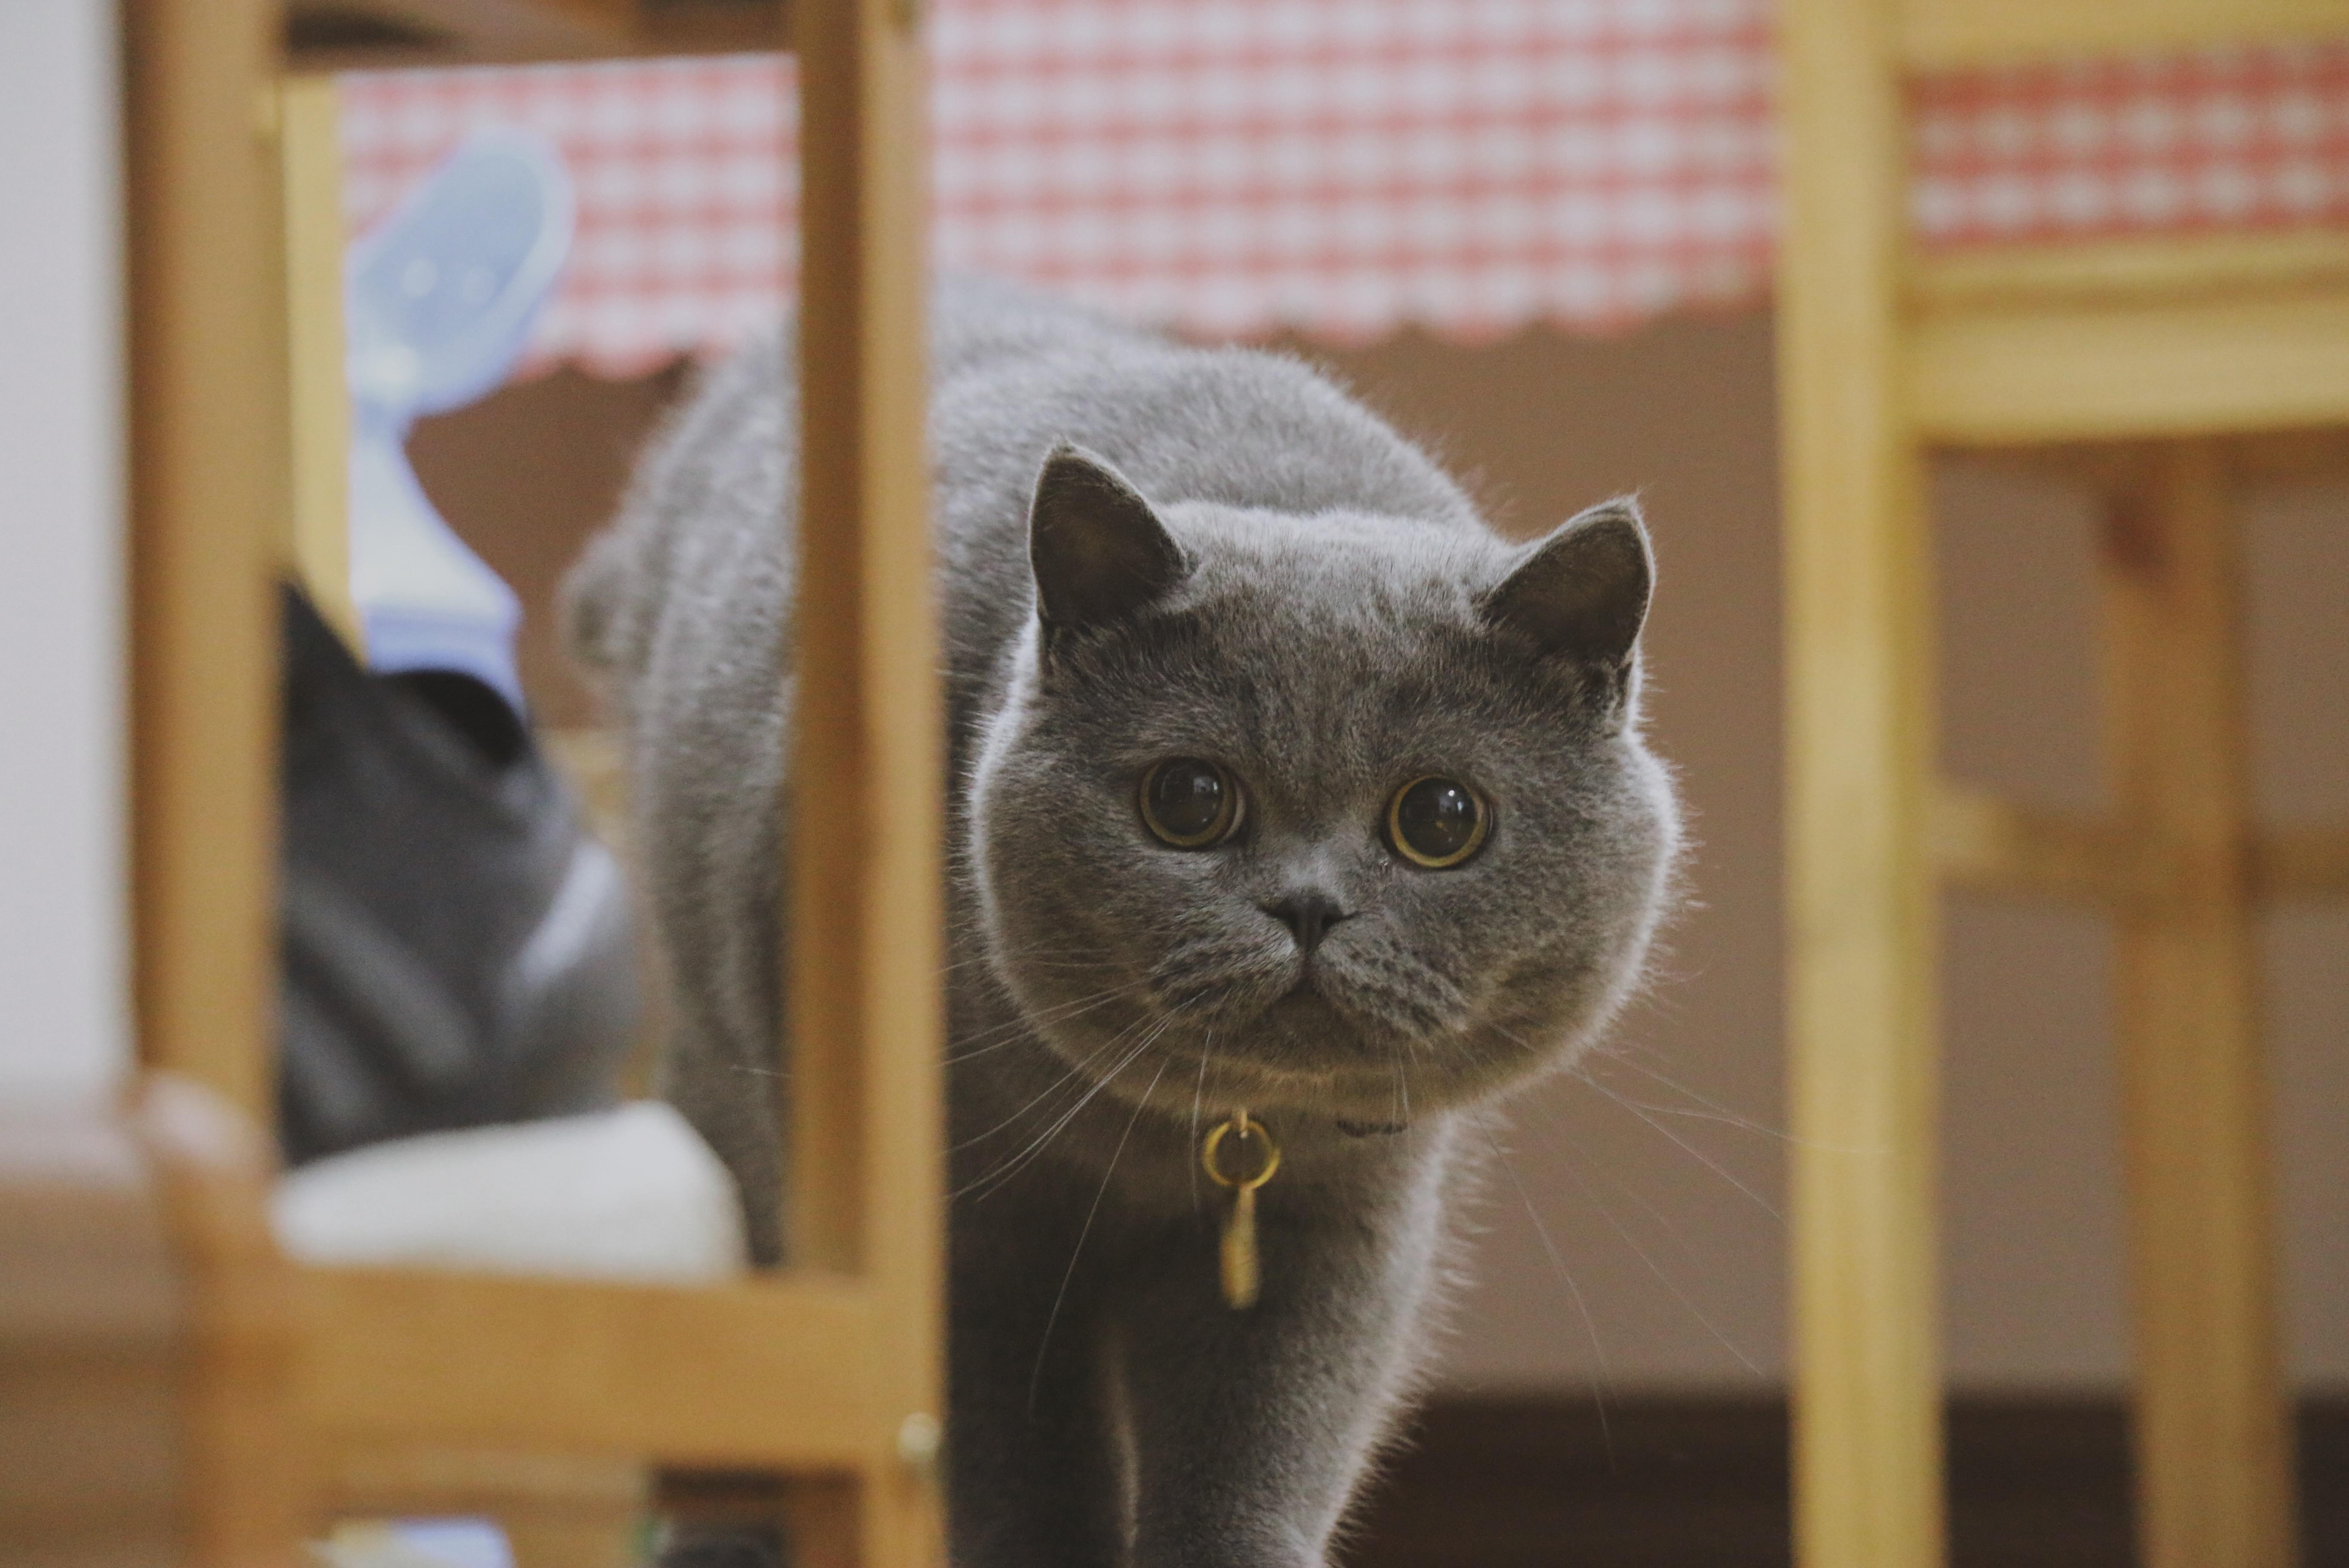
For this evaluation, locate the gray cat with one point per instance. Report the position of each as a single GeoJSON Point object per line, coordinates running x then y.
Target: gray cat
{"type": "Point", "coordinates": [1278, 785]}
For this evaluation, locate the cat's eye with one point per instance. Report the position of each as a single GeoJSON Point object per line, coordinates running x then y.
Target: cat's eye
{"type": "Point", "coordinates": [1437, 822]}
{"type": "Point", "coordinates": [1189, 803]}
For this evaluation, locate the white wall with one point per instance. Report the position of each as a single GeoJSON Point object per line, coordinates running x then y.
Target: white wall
{"type": "Point", "coordinates": [63, 965]}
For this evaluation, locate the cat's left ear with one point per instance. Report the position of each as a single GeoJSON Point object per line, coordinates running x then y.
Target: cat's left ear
{"type": "Point", "coordinates": [1581, 592]}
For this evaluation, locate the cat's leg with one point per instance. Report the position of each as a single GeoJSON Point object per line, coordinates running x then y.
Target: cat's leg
{"type": "Point", "coordinates": [724, 1063]}
{"type": "Point", "coordinates": [730, 1098]}
{"type": "Point", "coordinates": [1250, 1428]}
{"type": "Point", "coordinates": [1032, 1472]}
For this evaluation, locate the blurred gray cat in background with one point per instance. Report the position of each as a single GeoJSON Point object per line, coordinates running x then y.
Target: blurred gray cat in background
{"type": "Point", "coordinates": [1278, 784]}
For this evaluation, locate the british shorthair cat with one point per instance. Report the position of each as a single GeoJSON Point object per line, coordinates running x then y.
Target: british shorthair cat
{"type": "Point", "coordinates": [1284, 799]}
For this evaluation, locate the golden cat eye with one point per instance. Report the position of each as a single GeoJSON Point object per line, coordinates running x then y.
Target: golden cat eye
{"type": "Point", "coordinates": [1189, 803]}
{"type": "Point", "coordinates": [1437, 822]}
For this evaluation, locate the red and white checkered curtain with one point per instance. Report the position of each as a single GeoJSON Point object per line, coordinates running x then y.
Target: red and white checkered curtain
{"type": "Point", "coordinates": [1344, 167]}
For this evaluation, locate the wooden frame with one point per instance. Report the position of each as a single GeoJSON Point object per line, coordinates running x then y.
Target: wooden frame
{"type": "Point", "coordinates": [1939, 33]}
{"type": "Point", "coordinates": [829, 1373]}
{"type": "Point", "coordinates": [2187, 353]}
{"type": "Point", "coordinates": [345, 35]}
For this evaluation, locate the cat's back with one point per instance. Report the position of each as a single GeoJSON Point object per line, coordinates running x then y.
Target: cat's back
{"type": "Point", "coordinates": [1015, 373]}
{"type": "Point", "coordinates": [702, 538]}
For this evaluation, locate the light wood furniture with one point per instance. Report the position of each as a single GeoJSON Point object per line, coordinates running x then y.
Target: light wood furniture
{"type": "Point", "coordinates": [91, 1322]}
{"type": "Point", "coordinates": [147, 1337]}
{"type": "Point", "coordinates": [310, 176]}
{"type": "Point", "coordinates": [2153, 368]}
{"type": "Point", "coordinates": [341, 34]}
{"type": "Point", "coordinates": [410, 1386]}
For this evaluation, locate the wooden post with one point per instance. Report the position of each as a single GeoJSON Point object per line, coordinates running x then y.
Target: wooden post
{"type": "Point", "coordinates": [93, 1337]}
{"type": "Point", "coordinates": [1861, 901]}
{"type": "Point", "coordinates": [865, 971]}
{"type": "Point", "coordinates": [208, 488]}
{"type": "Point", "coordinates": [2213, 1434]}
{"type": "Point", "coordinates": [209, 505]}
{"type": "Point", "coordinates": [246, 1487]}
{"type": "Point", "coordinates": [320, 550]}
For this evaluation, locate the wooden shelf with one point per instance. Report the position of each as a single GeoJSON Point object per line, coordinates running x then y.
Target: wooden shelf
{"type": "Point", "coordinates": [358, 35]}
{"type": "Point", "coordinates": [2064, 371]}
{"type": "Point", "coordinates": [781, 1374]}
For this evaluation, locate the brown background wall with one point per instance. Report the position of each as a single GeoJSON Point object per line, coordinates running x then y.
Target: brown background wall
{"type": "Point", "coordinates": [1657, 1175]}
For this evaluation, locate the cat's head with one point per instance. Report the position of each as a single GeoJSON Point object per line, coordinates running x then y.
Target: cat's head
{"type": "Point", "coordinates": [1344, 813]}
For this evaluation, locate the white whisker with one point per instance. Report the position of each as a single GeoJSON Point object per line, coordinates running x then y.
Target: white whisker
{"type": "Point", "coordinates": [1035, 1378]}
{"type": "Point", "coordinates": [1198, 1096]}
{"type": "Point", "coordinates": [1068, 1074]}
{"type": "Point", "coordinates": [1691, 1149]}
{"type": "Point", "coordinates": [1019, 1161]}
{"type": "Point", "coordinates": [1583, 1309]}
{"type": "Point", "coordinates": [1654, 1267]}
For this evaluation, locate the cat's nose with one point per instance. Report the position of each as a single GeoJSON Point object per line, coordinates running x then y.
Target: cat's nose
{"type": "Point", "coordinates": [1307, 915]}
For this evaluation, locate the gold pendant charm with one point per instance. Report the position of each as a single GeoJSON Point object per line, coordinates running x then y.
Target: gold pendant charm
{"type": "Point", "coordinates": [1239, 1256]}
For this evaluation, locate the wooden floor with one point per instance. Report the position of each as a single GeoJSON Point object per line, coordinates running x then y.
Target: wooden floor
{"type": "Point", "coordinates": [1702, 1483]}
{"type": "Point", "coordinates": [1539, 1483]}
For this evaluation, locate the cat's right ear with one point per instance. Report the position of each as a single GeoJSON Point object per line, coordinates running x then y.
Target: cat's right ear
{"type": "Point", "coordinates": [1100, 554]}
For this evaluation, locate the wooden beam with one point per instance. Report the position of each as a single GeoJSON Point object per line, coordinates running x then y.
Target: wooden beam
{"type": "Point", "coordinates": [356, 34]}
{"type": "Point", "coordinates": [556, 1510]}
{"type": "Point", "coordinates": [865, 955]}
{"type": "Point", "coordinates": [2165, 269]}
{"type": "Point", "coordinates": [1939, 34]}
{"type": "Point", "coordinates": [1861, 905]}
{"type": "Point", "coordinates": [404, 30]}
{"type": "Point", "coordinates": [209, 503]}
{"type": "Point", "coordinates": [397, 1482]}
{"type": "Point", "coordinates": [1984, 844]}
{"type": "Point", "coordinates": [785, 1374]}
{"type": "Point", "coordinates": [866, 969]}
{"type": "Point", "coordinates": [93, 1323]}
{"type": "Point", "coordinates": [310, 138]}
{"type": "Point", "coordinates": [2072, 372]}
{"type": "Point", "coordinates": [2215, 1486]}
{"type": "Point", "coordinates": [245, 1481]}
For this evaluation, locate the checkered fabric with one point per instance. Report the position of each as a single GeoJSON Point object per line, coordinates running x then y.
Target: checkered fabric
{"type": "Point", "coordinates": [1343, 168]}
{"type": "Point", "coordinates": [2222, 140]}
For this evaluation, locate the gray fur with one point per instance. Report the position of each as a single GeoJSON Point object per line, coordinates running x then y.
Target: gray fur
{"type": "Point", "coordinates": [1323, 614]}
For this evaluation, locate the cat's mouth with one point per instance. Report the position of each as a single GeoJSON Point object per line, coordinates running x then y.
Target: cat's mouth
{"type": "Point", "coordinates": [1355, 1035]}
{"type": "Point", "coordinates": [1305, 989]}
{"type": "Point", "coordinates": [1293, 1048]}
{"type": "Point", "coordinates": [1304, 1012]}
{"type": "Point", "coordinates": [1304, 1046]}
